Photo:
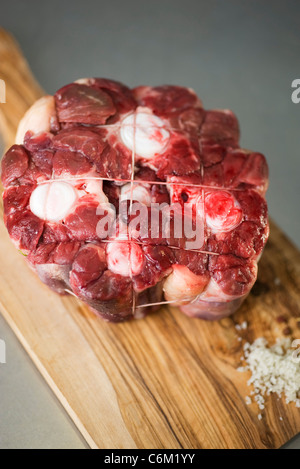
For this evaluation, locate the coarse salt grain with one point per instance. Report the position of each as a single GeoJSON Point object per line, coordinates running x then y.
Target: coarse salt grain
{"type": "Point", "coordinates": [273, 370]}
{"type": "Point", "coordinates": [241, 327]}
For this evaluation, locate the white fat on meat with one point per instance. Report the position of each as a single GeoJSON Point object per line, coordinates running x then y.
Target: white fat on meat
{"type": "Point", "coordinates": [126, 259]}
{"type": "Point", "coordinates": [137, 192]}
{"type": "Point", "coordinates": [37, 119]}
{"type": "Point", "coordinates": [144, 134]}
{"type": "Point", "coordinates": [213, 293]}
{"type": "Point", "coordinates": [89, 184]}
{"type": "Point", "coordinates": [95, 186]}
{"type": "Point", "coordinates": [85, 81]}
{"type": "Point", "coordinates": [182, 285]}
{"type": "Point", "coordinates": [53, 201]}
{"type": "Point", "coordinates": [222, 211]}
{"type": "Point", "coordinates": [56, 199]}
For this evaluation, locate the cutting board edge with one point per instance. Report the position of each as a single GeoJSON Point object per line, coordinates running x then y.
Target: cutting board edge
{"type": "Point", "coordinates": [46, 376]}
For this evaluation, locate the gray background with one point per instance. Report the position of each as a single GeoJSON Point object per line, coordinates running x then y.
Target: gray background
{"type": "Point", "coordinates": [236, 54]}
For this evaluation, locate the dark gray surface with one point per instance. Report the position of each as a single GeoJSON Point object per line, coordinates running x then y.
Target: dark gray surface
{"type": "Point", "coordinates": [241, 55]}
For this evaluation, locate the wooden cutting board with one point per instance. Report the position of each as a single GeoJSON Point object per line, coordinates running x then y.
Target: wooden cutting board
{"type": "Point", "coordinates": [163, 382]}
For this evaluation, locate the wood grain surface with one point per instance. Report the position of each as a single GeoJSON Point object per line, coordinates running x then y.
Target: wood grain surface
{"type": "Point", "coordinates": [167, 381]}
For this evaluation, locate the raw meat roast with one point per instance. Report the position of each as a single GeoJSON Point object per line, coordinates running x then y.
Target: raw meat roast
{"type": "Point", "coordinates": [128, 198]}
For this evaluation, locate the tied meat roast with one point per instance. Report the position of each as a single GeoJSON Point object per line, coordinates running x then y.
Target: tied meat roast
{"type": "Point", "coordinates": [94, 150]}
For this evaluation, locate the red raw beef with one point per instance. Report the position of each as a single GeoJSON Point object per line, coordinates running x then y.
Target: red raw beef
{"type": "Point", "coordinates": [100, 154]}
